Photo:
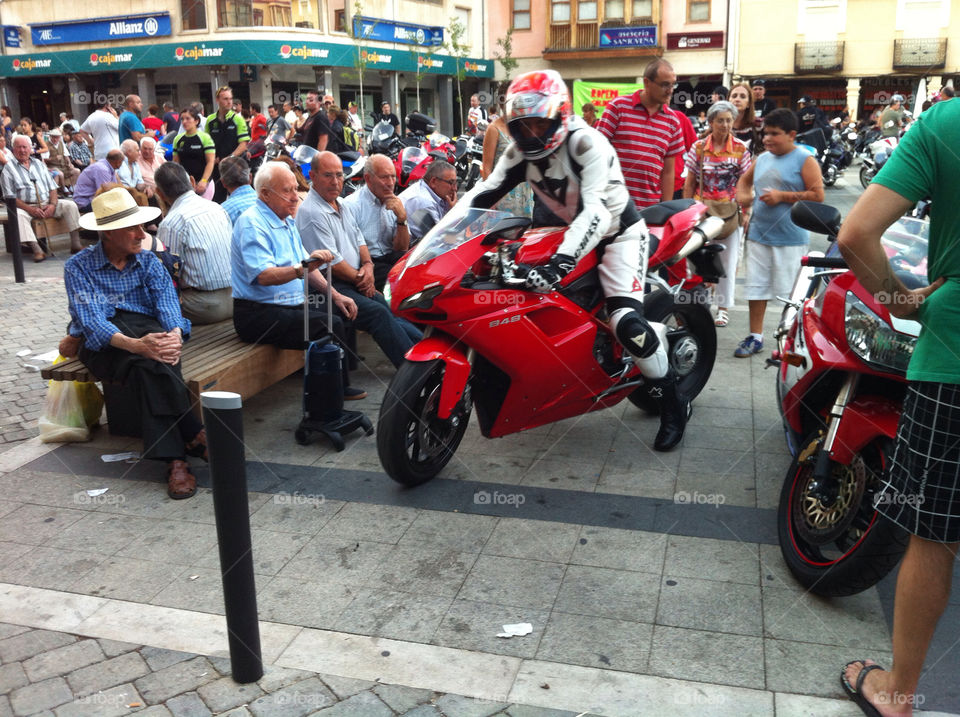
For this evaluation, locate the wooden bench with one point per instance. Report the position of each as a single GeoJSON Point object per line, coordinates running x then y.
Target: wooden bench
{"type": "Point", "coordinates": [213, 359]}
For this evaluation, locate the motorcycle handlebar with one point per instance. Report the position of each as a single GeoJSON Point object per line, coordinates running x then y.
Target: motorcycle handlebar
{"type": "Point", "coordinates": [824, 262]}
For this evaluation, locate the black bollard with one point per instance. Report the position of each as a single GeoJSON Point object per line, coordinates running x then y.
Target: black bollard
{"type": "Point", "coordinates": [12, 235]}
{"type": "Point", "coordinates": [223, 419]}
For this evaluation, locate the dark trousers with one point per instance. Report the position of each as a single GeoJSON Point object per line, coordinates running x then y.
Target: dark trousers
{"type": "Point", "coordinates": [166, 419]}
{"type": "Point", "coordinates": [393, 335]}
{"type": "Point", "coordinates": [282, 326]}
{"type": "Point", "coordinates": [382, 266]}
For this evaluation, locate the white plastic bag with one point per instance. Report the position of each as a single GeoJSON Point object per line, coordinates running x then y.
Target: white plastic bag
{"type": "Point", "coordinates": [71, 408]}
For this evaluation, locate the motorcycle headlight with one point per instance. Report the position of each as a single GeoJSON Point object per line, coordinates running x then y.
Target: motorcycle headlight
{"type": "Point", "coordinates": [386, 292]}
{"type": "Point", "coordinates": [422, 299]}
{"type": "Point", "coordinates": [873, 340]}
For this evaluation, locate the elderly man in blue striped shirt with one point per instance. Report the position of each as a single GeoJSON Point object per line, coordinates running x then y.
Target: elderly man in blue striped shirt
{"type": "Point", "coordinates": [199, 232]}
{"type": "Point", "coordinates": [126, 320]}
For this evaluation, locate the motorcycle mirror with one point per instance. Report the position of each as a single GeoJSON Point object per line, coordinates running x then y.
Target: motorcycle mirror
{"type": "Point", "coordinates": [816, 217]}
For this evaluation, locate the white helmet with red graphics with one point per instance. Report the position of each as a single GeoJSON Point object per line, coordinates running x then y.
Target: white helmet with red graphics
{"type": "Point", "coordinates": [539, 95]}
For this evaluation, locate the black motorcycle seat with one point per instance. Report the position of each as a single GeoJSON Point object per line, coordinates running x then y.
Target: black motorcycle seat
{"type": "Point", "coordinates": [349, 155]}
{"type": "Point", "coordinates": [658, 214]}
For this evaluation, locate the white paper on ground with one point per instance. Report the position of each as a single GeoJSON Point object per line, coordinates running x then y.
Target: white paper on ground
{"type": "Point", "coordinates": [519, 630]}
{"type": "Point", "coordinates": [94, 492]}
{"type": "Point", "coordinates": [116, 457]}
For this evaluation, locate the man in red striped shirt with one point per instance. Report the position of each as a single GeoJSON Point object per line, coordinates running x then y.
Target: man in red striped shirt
{"type": "Point", "coordinates": [645, 133]}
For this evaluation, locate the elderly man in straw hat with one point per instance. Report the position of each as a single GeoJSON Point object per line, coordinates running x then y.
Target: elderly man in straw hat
{"type": "Point", "coordinates": [124, 308]}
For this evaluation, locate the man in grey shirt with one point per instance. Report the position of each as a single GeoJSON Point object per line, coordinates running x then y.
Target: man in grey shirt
{"type": "Point", "coordinates": [380, 216]}
{"type": "Point", "coordinates": [324, 223]}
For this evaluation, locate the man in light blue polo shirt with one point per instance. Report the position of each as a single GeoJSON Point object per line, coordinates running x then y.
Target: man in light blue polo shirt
{"type": "Point", "coordinates": [435, 193]}
{"type": "Point", "coordinates": [265, 261]}
{"type": "Point", "coordinates": [235, 177]}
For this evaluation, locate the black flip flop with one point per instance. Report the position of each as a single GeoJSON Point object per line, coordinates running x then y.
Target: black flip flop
{"type": "Point", "coordinates": [855, 692]}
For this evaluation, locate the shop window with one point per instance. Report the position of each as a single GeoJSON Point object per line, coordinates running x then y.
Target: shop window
{"type": "Point", "coordinates": [254, 13]}
{"type": "Point", "coordinates": [560, 11]}
{"type": "Point", "coordinates": [521, 15]}
{"type": "Point", "coordinates": [463, 15]}
{"type": "Point", "coordinates": [338, 15]}
{"type": "Point", "coordinates": [641, 10]}
{"type": "Point", "coordinates": [587, 10]}
{"type": "Point", "coordinates": [698, 10]}
{"type": "Point", "coordinates": [193, 14]}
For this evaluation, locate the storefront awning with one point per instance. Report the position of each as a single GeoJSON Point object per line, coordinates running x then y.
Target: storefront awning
{"type": "Point", "coordinates": [232, 52]}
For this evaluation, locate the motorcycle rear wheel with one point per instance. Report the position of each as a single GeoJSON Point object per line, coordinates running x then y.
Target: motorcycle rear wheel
{"type": "Point", "coordinates": [842, 549]}
{"type": "Point", "coordinates": [830, 175]}
{"type": "Point", "coordinates": [692, 347]}
{"type": "Point", "coordinates": [866, 175]}
{"type": "Point", "coordinates": [413, 443]}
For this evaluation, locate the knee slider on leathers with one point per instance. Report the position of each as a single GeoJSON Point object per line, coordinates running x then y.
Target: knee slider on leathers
{"type": "Point", "coordinates": [637, 335]}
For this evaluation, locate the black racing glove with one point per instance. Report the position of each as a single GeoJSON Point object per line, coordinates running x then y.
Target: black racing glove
{"type": "Point", "coordinates": [547, 278]}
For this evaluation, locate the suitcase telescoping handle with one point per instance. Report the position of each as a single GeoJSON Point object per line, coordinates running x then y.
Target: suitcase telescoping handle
{"type": "Point", "coordinates": [306, 299]}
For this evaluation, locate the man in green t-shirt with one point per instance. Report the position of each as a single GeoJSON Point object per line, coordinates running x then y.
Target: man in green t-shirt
{"type": "Point", "coordinates": [230, 136]}
{"type": "Point", "coordinates": [922, 491]}
{"type": "Point", "coordinates": [891, 120]}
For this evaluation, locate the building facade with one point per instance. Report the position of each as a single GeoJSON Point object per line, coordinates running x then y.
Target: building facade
{"type": "Point", "coordinates": [268, 51]}
{"type": "Point", "coordinates": [848, 53]}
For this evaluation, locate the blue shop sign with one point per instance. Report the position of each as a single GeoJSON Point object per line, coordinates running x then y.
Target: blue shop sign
{"type": "Point", "coordinates": [121, 27]}
{"type": "Point", "coordinates": [372, 28]}
{"type": "Point", "coordinates": [645, 36]}
{"type": "Point", "coordinates": [11, 36]}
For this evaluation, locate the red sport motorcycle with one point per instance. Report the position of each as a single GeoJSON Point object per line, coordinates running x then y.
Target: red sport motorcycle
{"type": "Point", "coordinates": [841, 363]}
{"type": "Point", "coordinates": [524, 359]}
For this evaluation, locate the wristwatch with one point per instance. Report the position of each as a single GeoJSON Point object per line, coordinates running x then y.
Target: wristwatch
{"type": "Point", "coordinates": [401, 224]}
{"type": "Point", "coordinates": [299, 269]}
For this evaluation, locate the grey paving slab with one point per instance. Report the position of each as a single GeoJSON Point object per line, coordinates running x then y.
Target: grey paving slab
{"type": "Point", "coordinates": [116, 701]}
{"type": "Point", "coordinates": [172, 541]}
{"type": "Point", "coordinates": [51, 568]}
{"type": "Point", "coordinates": [276, 677]}
{"type": "Point", "coordinates": [704, 656]}
{"type": "Point", "coordinates": [301, 698]}
{"type": "Point", "coordinates": [631, 478]}
{"type": "Point", "coordinates": [472, 625]}
{"type": "Point", "coordinates": [528, 711]}
{"type": "Point", "coordinates": [710, 605]}
{"type": "Point", "coordinates": [420, 570]}
{"type": "Point", "coordinates": [101, 533]}
{"type": "Point", "coordinates": [344, 687]}
{"type": "Point", "coordinates": [23, 646]}
{"type": "Point", "coordinates": [36, 524]}
{"type": "Point", "coordinates": [6, 629]}
{"type": "Point", "coordinates": [513, 581]}
{"type": "Point", "coordinates": [397, 615]}
{"type": "Point", "coordinates": [635, 550]}
{"type": "Point", "coordinates": [720, 560]}
{"type": "Point", "coordinates": [194, 589]}
{"type": "Point", "coordinates": [342, 561]}
{"type": "Point", "coordinates": [809, 669]}
{"type": "Point", "coordinates": [424, 711]}
{"type": "Point", "coordinates": [856, 621]}
{"type": "Point", "coordinates": [5, 709]}
{"type": "Point", "coordinates": [12, 676]}
{"type": "Point", "coordinates": [127, 579]}
{"type": "Point", "coordinates": [296, 602]}
{"type": "Point", "coordinates": [110, 673]}
{"type": "Point", "coordinates": [225, 694]}
{"type": "Point", "coordinates": [188, 705]}
{"type": "Point", "coordinates": [532, 539]}
{"type": "Point", "coordinates": [272, 550]}
{"type": "Point", "coordinates": [380, 523]}
{"type": "Point", "coordinates": [365, 704]}
{"type": "Point", "coordinates": [459, 706]}
{"type": "Point", "coordinates": [604, 592]}
{"type": "Point", "coordinates": [400, 698]}
{"type": "Point", "coordinates": [163, 684]}
{"type": "Point", "coordinates": [33, 698]}
{"type": "Point", "coordinates": [159, 658]}
{"type": "Point", "coordinates": [112, 648]}
{"type": "Point", "coordinates": [559, 471]}
{"type": "Point", "coordinates": [451, 531]}
{"type": "Point", "coordinates": [11, 551]}
{"type": "Point", "coordinates": [596, 642]}
{"type": "Point", "coordinates": [63, 660]}
{"type": "Point", "coordinates": [296, 514]}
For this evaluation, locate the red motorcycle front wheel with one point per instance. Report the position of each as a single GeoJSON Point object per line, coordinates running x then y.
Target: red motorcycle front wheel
{"type": "Point", "coordinates": [846, 546]}
{"type": "Point", "coordinates": [413, 443]}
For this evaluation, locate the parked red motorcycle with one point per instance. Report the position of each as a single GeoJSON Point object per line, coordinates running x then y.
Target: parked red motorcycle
{"type": "Point", "coordinates": [525, 359]}
{"type": "Point", "coordinates": [841, 377]}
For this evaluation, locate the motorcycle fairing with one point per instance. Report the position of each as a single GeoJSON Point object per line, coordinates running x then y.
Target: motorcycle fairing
{"type": "Point", "coordinates": [446, 349]}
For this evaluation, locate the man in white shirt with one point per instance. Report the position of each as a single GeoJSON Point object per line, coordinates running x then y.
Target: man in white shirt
{"type": "Point", "coordinates": [356, 124]}
{"type": "Point", "coordinates": [103, 127]}
{"type": "Point", "coordinates": [129, 172]}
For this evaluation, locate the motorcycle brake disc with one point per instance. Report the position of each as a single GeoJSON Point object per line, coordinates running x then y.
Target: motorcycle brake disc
{"type": "Point", "coordinates": [819, 524]}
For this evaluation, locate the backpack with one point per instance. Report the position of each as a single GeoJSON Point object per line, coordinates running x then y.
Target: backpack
{"type": "Point", "coordinates": [351, 139]}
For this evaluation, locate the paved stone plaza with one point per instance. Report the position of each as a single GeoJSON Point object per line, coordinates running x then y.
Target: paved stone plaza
{"type": "Point", "coordinates": [653, 582]}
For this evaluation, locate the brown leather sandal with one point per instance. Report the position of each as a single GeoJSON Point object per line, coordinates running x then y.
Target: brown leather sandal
{"type": "Point", "coordinates": [180, 481]}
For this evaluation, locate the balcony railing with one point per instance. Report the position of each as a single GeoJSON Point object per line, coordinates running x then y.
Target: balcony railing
{"type": "Point", "coordinates": [818, 57]}
{"type": "Point", "coordinates": [930, 54]}
{"type": "Point", "coordinates": [583, 35]}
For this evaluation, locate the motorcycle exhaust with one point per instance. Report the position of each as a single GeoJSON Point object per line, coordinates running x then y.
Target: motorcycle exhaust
{"type": "Point", "coordinates": [705, 231]}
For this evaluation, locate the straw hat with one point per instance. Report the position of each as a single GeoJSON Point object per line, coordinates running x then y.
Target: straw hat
{"type": "Point", "coordinates": [116, 209]}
